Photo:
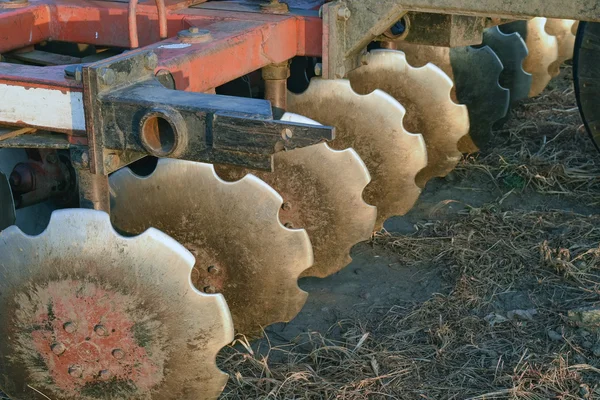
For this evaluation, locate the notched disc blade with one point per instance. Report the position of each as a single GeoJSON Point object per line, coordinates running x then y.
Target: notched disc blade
{"type": "Point", "coordinates": [512, 51]}
{"type": "Point", "coordinates": [425, 93]}
{"type": "Point", "coordinates": [7, 204]}
{"type": "Point", "coordinates": [562, 29]}
{"type": "Point", "coordinates": [477, 73]}
{"type": "Point", "coordinates": [543, 51]}
{"type": "Point", "coordinates": [233, 229]}
{"type": "Point", "coordinates": [371, 125]}
{"type": "Point", "coordinates": [94, 315]}
{"type": "Point", "coordinates": [322, 193]}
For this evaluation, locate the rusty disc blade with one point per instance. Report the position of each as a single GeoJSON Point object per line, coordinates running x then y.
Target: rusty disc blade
{"type": "Point", "coordinates": [562, 29]}
{"type": "Point", "coordinates": [97, 315]}
{"type": "Point", "coordinates": [372, 126]}
{"type": "Point", "coordinates": [322, 193]}
{"type": "Point", "coordinates": [233, 229]}
{"type": "Point", "coordinates": [425, 93]}
{"type": "Point", "coordinates": [543, 51]}
{"type": "Point", "coordinates": [7, 204]}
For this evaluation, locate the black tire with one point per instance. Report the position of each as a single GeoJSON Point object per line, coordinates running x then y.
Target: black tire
{"type": "Point", "coordinates": [586, 77]}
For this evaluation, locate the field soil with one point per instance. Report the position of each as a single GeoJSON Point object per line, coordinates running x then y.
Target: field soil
{"type": "Point", "coordinates": [487, 289]}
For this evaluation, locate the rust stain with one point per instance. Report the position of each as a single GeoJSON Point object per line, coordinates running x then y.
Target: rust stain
{"type": "Point", "coordinates": [83, 339]}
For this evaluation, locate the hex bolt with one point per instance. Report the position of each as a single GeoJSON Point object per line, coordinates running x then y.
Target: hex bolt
{"type": "Point", "coordinates": [112, 161]}
{"type": "Point", "coordinates": [58, 348]}
{"type": "Point", "coordinates": [104, 375]}
{"type": "Point", "coordinates": [210, 289]}
{"type": "Point", "coordinates": [74, 71]}
{"type": "Point", "coordinates": [287, 134]}
{"type": "Point", "coordinates": [118, 354]}
{"type": "Point", "coordinates": [75, 371]}
{"type": "Point", "coordinates": [213, 270]}
{"type": "Point", "coordinates": [69, 327]}
{"type": "Point", "coordinates": [100, 330]}
{"type": "Point", "coordinates": [318, 69]}
{"type": "Point", "coordinates": [287, 206]}
{"type": "Point", "coordinates": [195, 35]}
{"type": "Point", "coordinates": [107, 76]}
{"type": "Point", "coordinates": [151, 60]}
{"type": "Point", "coordinates": [344, 14]}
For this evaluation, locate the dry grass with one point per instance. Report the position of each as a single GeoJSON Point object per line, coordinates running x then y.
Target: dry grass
{"type": "Point", "coordinates": [500, 330]}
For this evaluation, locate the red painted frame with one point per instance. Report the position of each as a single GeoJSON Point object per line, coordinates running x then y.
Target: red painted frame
{"type": "Point", "coordinates": [241, 42]}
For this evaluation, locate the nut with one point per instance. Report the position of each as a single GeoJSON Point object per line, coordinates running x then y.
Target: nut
{"type": "Point", "coordinates": [118, 354]}
{"type": "Point", "coordinates": [210, 289]}
{"type": "Point", "coordinates": [344, 14]}
{"type": "Point", "coordinates": [100, 330]}
{"type": "Point", "coordinates": [194, 35]}
{"type": "Point", "coordinates": [213, 270]}
{"type": "Point", "coordinates": [107, 76]}
{"type": "Point", "coordinates": [69, 327]}
{"type": "Point", "coordinates": [75, 371]}
{"type": "Point", "coordinates": [151, 61]}
{"type": "Point", "coordinates": [58, 348]}
{"type": "Point", "coordinates": [318, 69]}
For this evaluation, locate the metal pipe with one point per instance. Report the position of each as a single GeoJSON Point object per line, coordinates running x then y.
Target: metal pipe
{"type": "Point", "coordinates": [132, 22]}
{"type": "Point", "coordinates": [389, 44]}
{"type": "Point", "coordinates": [275, 77]}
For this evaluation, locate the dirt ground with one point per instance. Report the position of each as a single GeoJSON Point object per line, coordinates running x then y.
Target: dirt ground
{"type": "Point", "coordinates": [466, 297]}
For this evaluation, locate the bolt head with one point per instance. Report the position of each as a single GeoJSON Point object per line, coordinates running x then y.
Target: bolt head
{"type": "Point", "coordinates": [105, 375]}
{"type": "Point", "coordinates": [287, 134]}
{"type": "Point", "coordinates": [193, 29]}
{"type": "Point", "coordinates": [75, 371]}
{"type": "Point", "coordinates": [107, 76]}
{"type": "Point", "coordinates": [318, 69]}
{"type": "Point", "coordinates": [289, 225]}
{"type": "Point", "coordinates": [344, 14]}
{"type": "Point", "coordinates": [100, 330]}
{"type": "Point", "coordinates": [213, 270]}
{"type": "Point", "coordinates": [210, 289]}
{"type": "Point", "coordinates": [287, 206]}
{"type": "Point", "coordinates": [69, 327]}
{"type": "Point", "coordinates": [151, 61]}
{"type": "Point", "coordinates": [118, 354]}
{"type": "Point", "coordinates": [58, 348]}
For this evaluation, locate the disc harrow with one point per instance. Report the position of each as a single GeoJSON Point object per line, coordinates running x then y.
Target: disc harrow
{"type": "Point", "coordinates": [253, 187]}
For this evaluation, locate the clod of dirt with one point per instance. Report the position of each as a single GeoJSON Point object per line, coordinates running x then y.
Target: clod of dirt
{"type": "Point", "coordinates": [555, 336]}
{"type": "Point", "coordinates": [523, 315]}
{"type": "Point", "coordinates": [588, 318]}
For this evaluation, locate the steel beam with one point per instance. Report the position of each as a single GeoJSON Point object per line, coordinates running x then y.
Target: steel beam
{"type": "Point", "coordinates": [349, 25]}
{"type": "Point", "coordinates": [584, 10]}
